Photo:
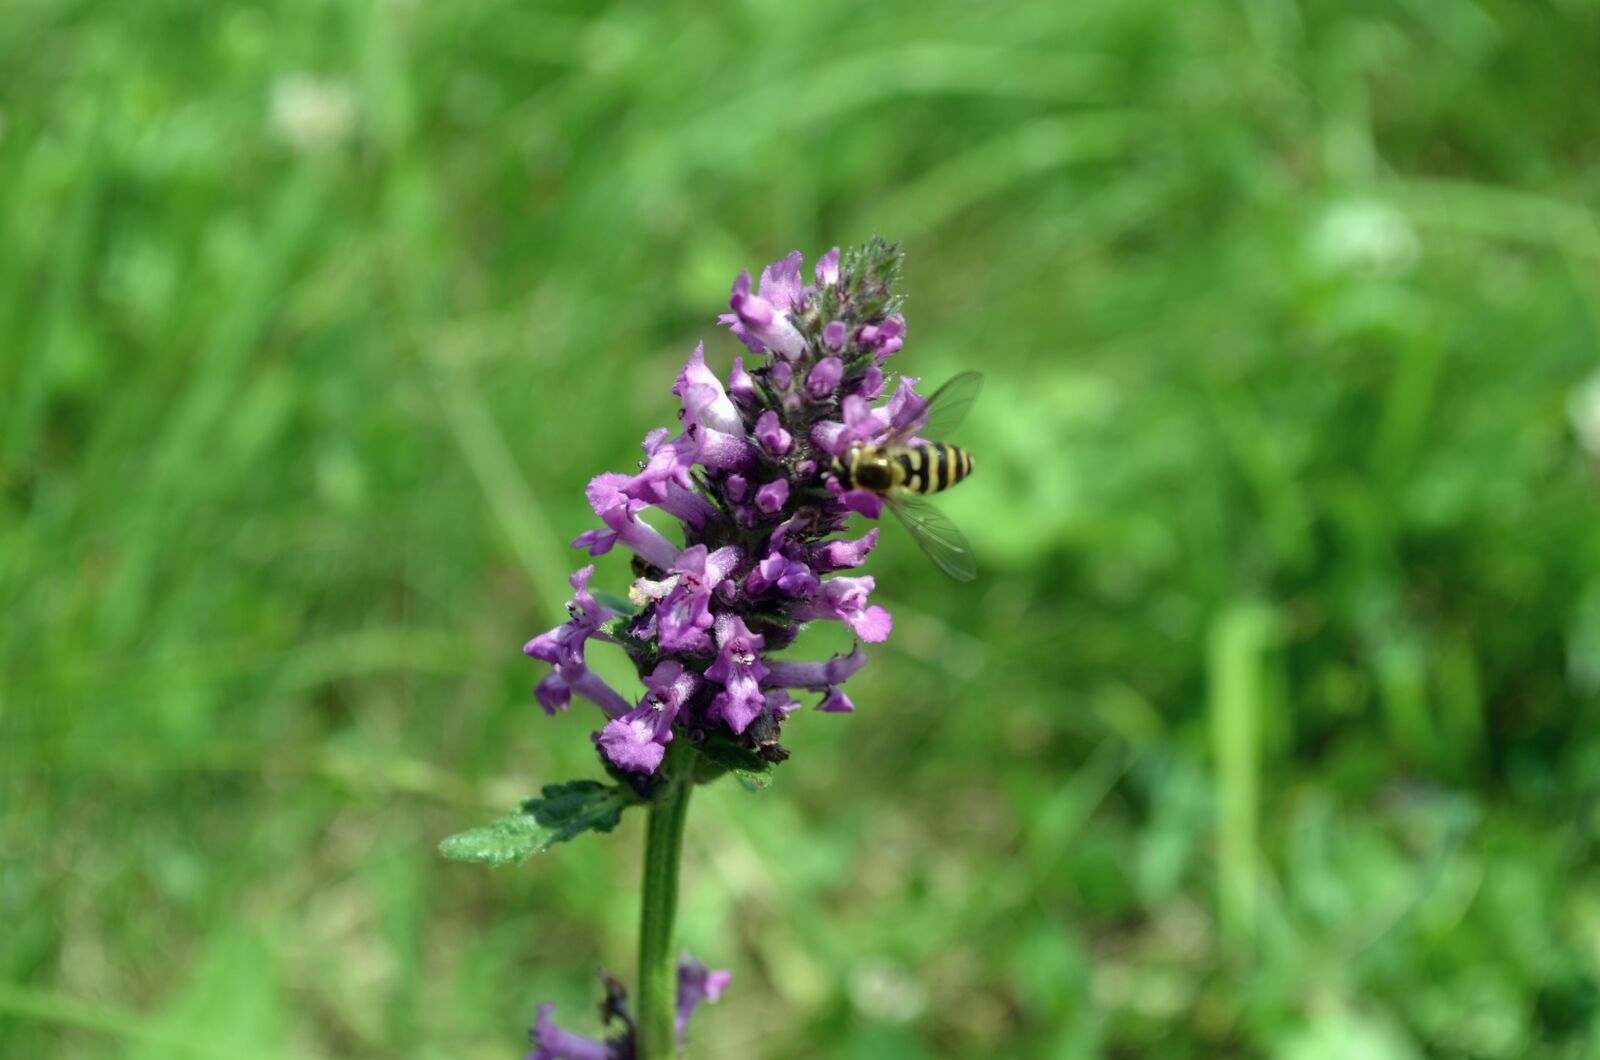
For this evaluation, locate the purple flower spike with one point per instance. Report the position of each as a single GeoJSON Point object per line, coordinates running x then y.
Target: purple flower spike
{"type": "Point", "coordinates": [550, 1042]}
{"type": "Point", "coordinates": [746, 474]}
{"type": "Point", "coordinates": [738, 668]}
{"type": "Point", "coordinates": [762, 521]}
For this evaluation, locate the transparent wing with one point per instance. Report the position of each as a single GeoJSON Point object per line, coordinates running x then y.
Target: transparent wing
{"type": "Point", "coordinates": [946, 409]}
{"type": "Point", "coordinates": [936, 535]}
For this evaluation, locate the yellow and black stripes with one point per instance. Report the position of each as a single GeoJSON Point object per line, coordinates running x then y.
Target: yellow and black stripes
{"type": "Point", "coordinates": [931, 467]}
{"type": "Point", "coordinates": [927, 468]}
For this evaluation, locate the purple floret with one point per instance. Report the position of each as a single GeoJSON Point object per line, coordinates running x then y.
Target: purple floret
{"type": "Point", "coordinates": [771, 434]}
{"type": "Point", "coordinates": [638, 740]}
{"type": "Point", "coordinates": [815, 675]}
{"type": "Point", "coordinates": [739, 670]}
{"type": "Point", "coordinates": [551, 1042]}
{"type": "Point", "coordinates": [563, 649]}
{"type": "Point", "coordinates": [697, 983]}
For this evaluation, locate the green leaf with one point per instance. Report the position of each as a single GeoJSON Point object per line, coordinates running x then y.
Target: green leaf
{"type": "Point", "coordinates": [725, 754]}
{"type": "Point", "coordinates": [564, 811]}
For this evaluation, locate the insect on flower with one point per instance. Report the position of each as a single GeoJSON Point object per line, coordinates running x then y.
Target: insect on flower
{"type": "Point", "coordinates": [910, 463]}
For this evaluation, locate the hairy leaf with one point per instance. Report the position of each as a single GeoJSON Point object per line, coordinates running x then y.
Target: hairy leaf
{"type": "Point", "coordinates": [562, 812]}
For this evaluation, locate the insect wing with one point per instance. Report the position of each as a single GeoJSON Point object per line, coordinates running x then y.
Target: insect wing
{"type": "Point", "coordinates": [936, 535]}
{"type": "Point", "coordinates": [946, 409]}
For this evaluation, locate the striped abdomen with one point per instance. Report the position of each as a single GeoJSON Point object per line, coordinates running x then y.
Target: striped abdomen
{"type": "Point", "coordinates": [930, 467]}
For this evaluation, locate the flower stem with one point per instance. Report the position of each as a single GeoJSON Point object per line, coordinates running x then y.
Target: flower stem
{"type": "Point", "coordinates": [658, 959]}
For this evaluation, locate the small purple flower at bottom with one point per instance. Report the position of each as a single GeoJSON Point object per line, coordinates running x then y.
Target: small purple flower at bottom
{"type": "Point", "coordinates": [551, 1042]}
{"type": "Point", "coordinates": [696, 983]}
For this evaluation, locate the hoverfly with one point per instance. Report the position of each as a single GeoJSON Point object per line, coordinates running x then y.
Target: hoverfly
{"type": "Point", "coordinates": [901, 473]}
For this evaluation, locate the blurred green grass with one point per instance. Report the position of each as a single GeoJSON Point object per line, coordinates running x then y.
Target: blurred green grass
{"type": "Point", "coordinates": [1268, 730]}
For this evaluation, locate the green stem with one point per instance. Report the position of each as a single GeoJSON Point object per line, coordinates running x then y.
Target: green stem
{"type": "Point", "coordinates": [658, 957]}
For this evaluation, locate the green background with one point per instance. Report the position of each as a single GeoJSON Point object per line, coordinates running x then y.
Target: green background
{"type": "Point", "coordinates": [1269, 728]}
